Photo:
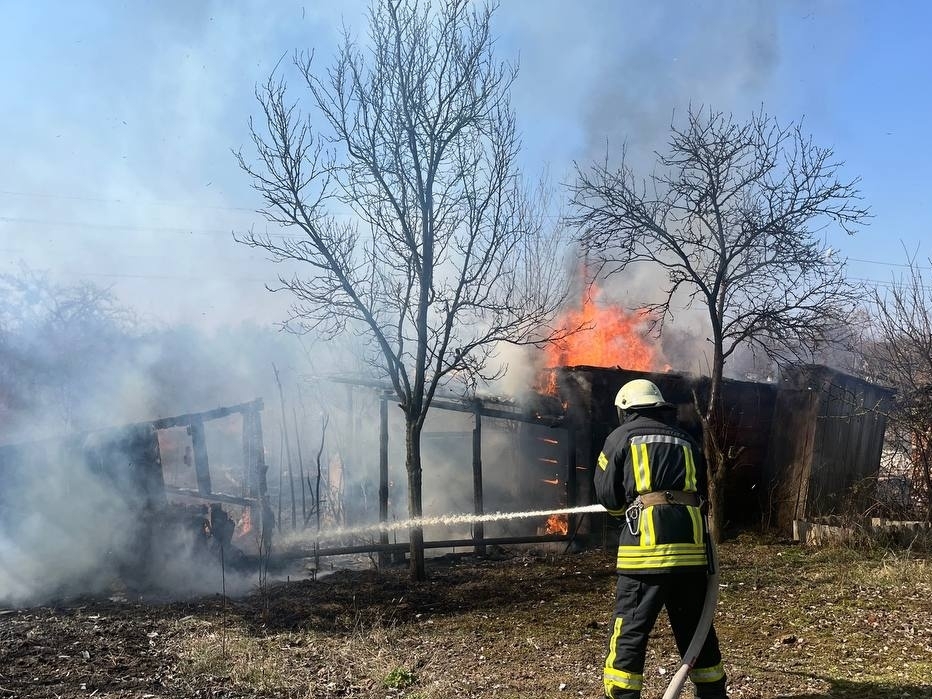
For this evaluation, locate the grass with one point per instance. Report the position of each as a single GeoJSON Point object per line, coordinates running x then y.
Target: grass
{"type": "Point", "coordinates": [795, 623]}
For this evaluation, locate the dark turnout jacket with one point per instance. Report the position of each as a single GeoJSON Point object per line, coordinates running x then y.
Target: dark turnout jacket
{"type": "Point", "coordinates": [644, 455]}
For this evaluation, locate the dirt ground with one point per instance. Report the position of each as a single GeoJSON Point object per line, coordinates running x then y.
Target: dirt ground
{"type": "Point", "coordinates": [795, 623]}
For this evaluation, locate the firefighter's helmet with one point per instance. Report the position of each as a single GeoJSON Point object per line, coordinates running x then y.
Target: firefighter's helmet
{"type": "Point", "coordinates": [639, 393]}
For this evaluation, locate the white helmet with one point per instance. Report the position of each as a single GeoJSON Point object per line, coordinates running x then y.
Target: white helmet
{"type": "Point", "coordinates": [639, 393]}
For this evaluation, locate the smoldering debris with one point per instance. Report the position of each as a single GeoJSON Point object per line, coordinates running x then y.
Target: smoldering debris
{"type": "Point", "coordinates": [90, 514]}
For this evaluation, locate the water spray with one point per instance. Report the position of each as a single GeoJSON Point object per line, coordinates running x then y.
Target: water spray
{"type": "Point", "coordinates": [379, 527]}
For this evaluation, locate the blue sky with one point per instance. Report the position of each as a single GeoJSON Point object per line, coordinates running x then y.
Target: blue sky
{"type": "Point", "coordinates": [120, 119]}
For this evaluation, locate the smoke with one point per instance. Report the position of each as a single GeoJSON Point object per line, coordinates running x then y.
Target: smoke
{"type": "Point", "coordinates": [138, 187]}
{"type": "Point", "coordinates": [672, 55]}
{"type": "Point", "coordinates": [57, 530]}
{"type": "Point", "coordinates": [77, 363]}
{"type": "Point", "coordinates": [83, 515]}
{"type": "Point", "coordinates": [626, 70]}
{"type": "Point", "coordinates": [668, 57]}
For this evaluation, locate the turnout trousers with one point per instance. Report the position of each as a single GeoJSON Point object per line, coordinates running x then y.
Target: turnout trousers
{"type": "Point", "coordinates": [638, 601]}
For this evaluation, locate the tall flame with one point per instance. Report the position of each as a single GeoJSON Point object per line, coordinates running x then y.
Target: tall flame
{"type": "Point", "coordinates": [611, 337]}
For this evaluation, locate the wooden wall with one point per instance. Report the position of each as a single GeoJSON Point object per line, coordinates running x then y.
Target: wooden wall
{"type": "Point", "coordinates": [589, 393]}
{"type": "Point", "coordinates": [798, 446]}
{"type": "Point", "coordinates": [826, 443]}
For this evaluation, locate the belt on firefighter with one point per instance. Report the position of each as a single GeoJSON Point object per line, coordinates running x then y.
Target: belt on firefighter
{"type": "Point", "coordinates": [669, 497]}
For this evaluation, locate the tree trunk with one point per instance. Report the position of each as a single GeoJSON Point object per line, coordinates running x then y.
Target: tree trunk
{"type": "Point", "coordinates": [713, 438]}
{"type": "Point", "coordinates": [413, 466]}
{"type": "Point", "coordinates": [925, 461]}
{"type": "Point", "coordinates": [715, 463]}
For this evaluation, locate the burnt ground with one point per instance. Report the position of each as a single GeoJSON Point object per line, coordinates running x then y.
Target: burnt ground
{"type": "Point", "coordinates": [795, 623]}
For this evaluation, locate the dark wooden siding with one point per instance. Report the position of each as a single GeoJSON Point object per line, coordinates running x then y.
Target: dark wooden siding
{"type": "Point", "coordinates": [798, 447]}
{"type": "Point", "coordinates": [589, 393]}
{"type": "Point", "coordinates": [849, 424]}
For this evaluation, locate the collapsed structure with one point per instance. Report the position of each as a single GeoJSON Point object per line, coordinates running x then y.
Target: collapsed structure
{"type": "Point", "coordinates": [145, 520]}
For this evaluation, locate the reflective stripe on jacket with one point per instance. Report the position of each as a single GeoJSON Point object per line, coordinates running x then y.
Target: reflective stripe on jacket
{"type": "Point", "coordinates": [645, 455]}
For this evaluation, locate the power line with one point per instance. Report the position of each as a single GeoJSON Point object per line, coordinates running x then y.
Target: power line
{"type": "Point", "coordinates": [111, 226]}
{"type": "Point", "coordinates": [292, 236]}
{"type": "Point", "coordinates": [887, 284]}
{"type": "Point", "coordinates": [129, 227]}
{"type": "Point", "coordinates": [172, 277]}
{"type": "Point", "coordinates": [108, 200]}
{"type": "Point", "coordinates": [888, 264]}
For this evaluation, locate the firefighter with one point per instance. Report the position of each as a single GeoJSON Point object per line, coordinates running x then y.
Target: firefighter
{"type": "Point", "coordinates": [651, 476]}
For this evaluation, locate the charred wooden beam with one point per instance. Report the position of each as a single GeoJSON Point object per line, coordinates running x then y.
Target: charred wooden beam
{"type": "Point", "coordinates": [509, 412]}
{"type": "Point", "coordinates": [478, 531]}
{"type": "Point", "coordinates": [212, 497]}
{"type": "Point", "coordinates": [207, 415]}
{"type": "Point", "coordinates": [201, 464]}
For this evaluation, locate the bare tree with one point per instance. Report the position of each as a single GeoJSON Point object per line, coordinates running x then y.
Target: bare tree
{"type": "Point", "coordinates": [733, 216]}
{"type": "Point", "coordinates": [58, 343]}
{"type": "Point", "coordinates": [901, 357]}
{"type": "Point", "coordinates": [439, 252]}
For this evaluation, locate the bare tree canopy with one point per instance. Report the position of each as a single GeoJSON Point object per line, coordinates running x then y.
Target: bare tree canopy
{"type": "Point", "coordinates": [901, 357]}
{"type": "Point", "coordinates": [733, 214]}
{"type": "Point", "coordinates": [58, 346]}
{"type": "Point", "coordinates": [401, 196]}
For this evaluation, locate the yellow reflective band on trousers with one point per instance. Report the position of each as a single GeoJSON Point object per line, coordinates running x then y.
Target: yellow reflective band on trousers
{"type": "Point", "coordinates": [620, 679]}
{"type": "Point", "coordinates": [707, 674]}
{"type": "Point", "coordinates": [613, 677]}
{"type": "Point", "coordinates": [660, 556]}
{"type": "Point", "coordinates": [612, 649]}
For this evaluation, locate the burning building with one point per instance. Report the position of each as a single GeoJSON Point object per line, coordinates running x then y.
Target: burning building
{"type": "Point", "coordinates": [149, 494]}
{"type": "Point", "coordinates": [797, 446]}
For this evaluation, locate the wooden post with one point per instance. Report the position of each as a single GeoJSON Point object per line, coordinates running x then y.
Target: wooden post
{"type": "Point", "coordinates": [294, 503]}
{"type": "Point", "coordinates": [383, 476]}
{"type": "Point", "coordinates": [201, 464]}
{"type": "Point", "coordinates": [249, 468]}
{"type": "Point", "coordinates": [297, 439]}
{"type": "Point", "coordinates": [478, 533]}
{"type": "Point", "coordinates": [572, 486]}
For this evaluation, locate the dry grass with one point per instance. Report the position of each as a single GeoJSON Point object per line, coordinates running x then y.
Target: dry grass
{"type": "Point", "coordinates": [795, 623]}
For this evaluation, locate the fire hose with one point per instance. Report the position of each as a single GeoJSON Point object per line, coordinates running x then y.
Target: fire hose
{"type": "Point", "coordinates": [702, 628]}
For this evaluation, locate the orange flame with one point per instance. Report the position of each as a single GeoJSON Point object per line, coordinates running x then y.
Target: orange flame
{"type": "Point", "coordinates": [558, 524]}
{"type": "Point", "coordinates": [551, 481]}
{"type": "Point", "coordinates": [244, 526]}
{"type": "Point", "coordinates": [612, 337]}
